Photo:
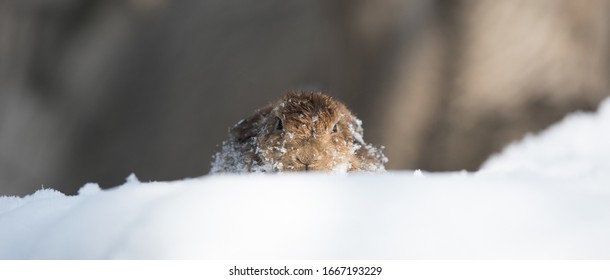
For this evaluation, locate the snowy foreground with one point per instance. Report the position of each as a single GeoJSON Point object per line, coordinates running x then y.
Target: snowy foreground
{"type": "Point", "coordinates": [545, 197]}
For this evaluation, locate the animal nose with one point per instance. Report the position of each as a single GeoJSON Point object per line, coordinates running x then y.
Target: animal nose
{"type": "Point", "coordinates": [307, 158]}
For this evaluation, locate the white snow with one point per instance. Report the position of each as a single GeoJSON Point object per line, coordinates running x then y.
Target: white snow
{"type": "Point", "coordinates": [579, 146]}
{"type": "Point", "coordinates": [547, 196]}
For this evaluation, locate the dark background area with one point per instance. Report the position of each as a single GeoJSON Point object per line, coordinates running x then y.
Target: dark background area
{"type": "Point", "coordinates": [93, 90]}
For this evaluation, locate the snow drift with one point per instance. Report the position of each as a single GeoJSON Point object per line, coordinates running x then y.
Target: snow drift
{"type": "Point", "coordinates": [545, 197]}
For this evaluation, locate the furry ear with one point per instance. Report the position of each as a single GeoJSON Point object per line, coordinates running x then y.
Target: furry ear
{"type": "Point", "coordinates": [251, 126]}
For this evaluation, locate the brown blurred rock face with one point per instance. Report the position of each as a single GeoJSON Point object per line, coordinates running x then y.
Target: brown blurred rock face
{"type": "Point", "coordinates": [91, 91]}
{"type": "Point", "coordinates": [484, 73]}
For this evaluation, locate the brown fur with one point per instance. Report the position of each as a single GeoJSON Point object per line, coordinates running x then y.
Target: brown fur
{"type": "Point", "coordinates": [305, 141]}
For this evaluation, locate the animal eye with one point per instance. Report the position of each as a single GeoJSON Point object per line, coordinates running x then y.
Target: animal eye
{"type": "Point", "coordinates": [335, 128]}
{"type": "Point", "coordinates": [278, 124]}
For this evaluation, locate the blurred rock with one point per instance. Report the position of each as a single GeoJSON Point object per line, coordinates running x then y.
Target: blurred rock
{"type": "Point", "coordinates": [484, 73]}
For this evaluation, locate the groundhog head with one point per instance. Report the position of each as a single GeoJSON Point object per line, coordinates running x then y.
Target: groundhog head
{"type": "Point", "coordinates": [300, 132]}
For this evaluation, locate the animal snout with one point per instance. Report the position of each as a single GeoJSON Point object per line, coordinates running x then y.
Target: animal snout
{"type": "Point", "coordinates": [308, 157]}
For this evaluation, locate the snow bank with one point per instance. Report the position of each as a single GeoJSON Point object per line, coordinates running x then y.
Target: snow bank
{"type": "Point", "coordinates": [579, 146]}
{"type": "Point", "coordinates": [546, 197]}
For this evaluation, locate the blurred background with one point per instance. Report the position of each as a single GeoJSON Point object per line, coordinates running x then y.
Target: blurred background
{"type": "Point", "coordinates": [93, 90]}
